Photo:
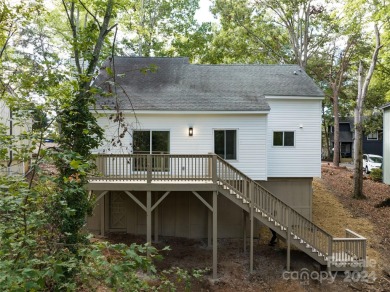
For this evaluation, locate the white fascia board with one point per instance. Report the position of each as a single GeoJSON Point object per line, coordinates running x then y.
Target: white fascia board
{"type": "Point", "coordinates": [294, 97]}
{"type": "Point", "coordinates": [185, 112]}
{"type": "Point", "coordinates": [385, 106]}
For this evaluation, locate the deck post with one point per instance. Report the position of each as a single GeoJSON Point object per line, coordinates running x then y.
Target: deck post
{"type": "Point", "coordinates": [215, 234]}
{"type": "Point", "coordinates": [149, 217]}
{"type": "Point", "coordinates": [214, 169]}
{"type": "Point", "coordinates": [244, 214]}
{"type": "Point", "coordinates": [330, 253]}
{"type": "Point", "coordinates": [251, 227]}
{"type": "Point", "coordinates": [149, 168]}
{"type": "Point", "coordinates": [156, 220]}
{"type": "Point", "coordinates": [102, 215]}
{"type": "Point", "coordinates": [288, 237]}
{"type": "Point", "coordinates": [209, 228]}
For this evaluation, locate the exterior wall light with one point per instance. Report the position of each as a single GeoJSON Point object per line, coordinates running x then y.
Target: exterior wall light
{"type": "Point", "coordinates": [190, 131]}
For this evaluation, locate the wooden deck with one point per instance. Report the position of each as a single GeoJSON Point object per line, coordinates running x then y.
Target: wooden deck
{"type": "Point", "coordinates": [194, 173]}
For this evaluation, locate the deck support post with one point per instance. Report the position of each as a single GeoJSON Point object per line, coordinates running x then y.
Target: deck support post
{"type": "Point", "coordinates": [215, 234]}
{"type": "Point", "coordinates": [209, 228]}
{"type": "Point", "coordinates": [288, 237]}
{"type": "Point", "coordinates": [245, 215]}
{"type": "Point", "coordinates": [102, 215]}
{"type": "Point", "coordinates": [149, 218]}
{"type": "Point", "coordinates": [251, 227]}
{"type": "Point", "coordinates": [156, 220]}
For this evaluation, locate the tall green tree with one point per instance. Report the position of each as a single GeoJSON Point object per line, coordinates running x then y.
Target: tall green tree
{"type": "Point", "coordinates": [150, 26]}
{"type": "Point", "coordinates": [79, 131]}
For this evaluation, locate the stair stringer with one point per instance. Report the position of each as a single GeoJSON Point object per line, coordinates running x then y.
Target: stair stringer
{"type": "Point", "coordinates": [278, 228]}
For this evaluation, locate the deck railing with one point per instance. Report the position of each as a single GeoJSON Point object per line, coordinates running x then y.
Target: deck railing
{"type": "Point", "coordinates": [211, 168]}
{"type": "Point", "coordinates": [153, 167]}
{"type": "Point", "coordinates": [351, 248]}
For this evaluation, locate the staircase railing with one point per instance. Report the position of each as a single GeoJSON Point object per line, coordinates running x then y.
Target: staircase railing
{"type": "Point", "coordinates": [333, 250]}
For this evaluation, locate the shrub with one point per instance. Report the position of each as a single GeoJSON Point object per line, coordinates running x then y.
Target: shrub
{"type": "Point", "coordinates": [376, 174]}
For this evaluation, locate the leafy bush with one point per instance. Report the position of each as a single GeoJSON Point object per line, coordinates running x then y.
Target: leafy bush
{"type": "Point", "coordinates": [376, 174]}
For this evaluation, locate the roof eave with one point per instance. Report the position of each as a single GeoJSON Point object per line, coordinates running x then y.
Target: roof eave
{"type": "Point", "coordinates": [181, 112]}
{"type": "Point", "coordinates": [318, 97]}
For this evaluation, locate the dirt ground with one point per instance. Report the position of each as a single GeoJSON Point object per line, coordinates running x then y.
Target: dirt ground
{"type": "Point", "coordinates": [333, 209]}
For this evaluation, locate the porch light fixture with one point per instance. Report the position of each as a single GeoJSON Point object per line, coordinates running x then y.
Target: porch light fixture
{"type": "Point", "coordinates": [190, 131]}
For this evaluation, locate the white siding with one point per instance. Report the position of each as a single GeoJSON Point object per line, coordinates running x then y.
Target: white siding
{"type": "Point", "coordinates": [304, 118]}
{"type": "Point", "coordinates": [18, 127]}
{"type": "Point", "coordinates": [386, 146]}
{"type": "Point", "coordinates": [251, 136]}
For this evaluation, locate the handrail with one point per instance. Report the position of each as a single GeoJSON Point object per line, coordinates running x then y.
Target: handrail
{"type": "Point", "coordinates": [273, 207]}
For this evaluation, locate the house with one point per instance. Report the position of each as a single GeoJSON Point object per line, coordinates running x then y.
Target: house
{"type": "Point", "coordinates": [372, 142]}
{"type": "Point", "coordinates": [209, 151]}
{"type": "Point", "coordinates": [13, 128]}
{"type": "Point", "coordinates": [386, 144]}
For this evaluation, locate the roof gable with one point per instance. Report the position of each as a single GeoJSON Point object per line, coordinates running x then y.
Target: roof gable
{"type": "Point", "coordinates": [176, 85]}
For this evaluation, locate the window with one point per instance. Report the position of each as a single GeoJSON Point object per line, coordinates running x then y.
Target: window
{"type": "Point", "coordinates": [372, 136]}
{"type": "Point", "coordinates": [151, 142]}
{"type": "Point", "coordinates": [284, 139]}
{"type": "Point", "coordinates": [225, 144]}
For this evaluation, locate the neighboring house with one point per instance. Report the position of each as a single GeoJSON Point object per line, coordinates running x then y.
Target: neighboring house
{"type": "Point", "coordinates": [13, 128]}
{"type": "Point", "coordinates": [372, 142]}
{"type": "Point", "coordinates": [386, 144]}
{"type": "Point", "coordinates": [164, 125]}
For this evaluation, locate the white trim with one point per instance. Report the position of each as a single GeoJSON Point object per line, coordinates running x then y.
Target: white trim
{"type": "Point", "coordinates": [100, 111]}
{"type": "Point", "coordinates": [237, 139]}
{"type": "Point", "coordinates": [150, 138]}
{"type": "Point", "coordinates": [373, 139]}
{"type": "Point", "coordinates": [293, 97]}
{"type": "Point", "coordinates": [283, 146]}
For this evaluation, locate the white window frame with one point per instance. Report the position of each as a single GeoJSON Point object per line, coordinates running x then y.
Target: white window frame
{"type": "Point", "coordinates": [373, 139]}
{"type": "Point", "coordinates": [151, 138]}
{"type": "Point", "coordinates": [227, 129]}
{"type": "Point", "coordinates": [284, 146]}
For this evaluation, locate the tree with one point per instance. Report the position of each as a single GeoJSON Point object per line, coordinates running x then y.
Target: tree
{"type": "Point", "coordinates": [80, 132]}
{"type": "Point", "coordinates": [247, 34]}
{"type": "Point", "coordinates": [151, 26]}
{"type": "Point", "coordinates": [363, 83]}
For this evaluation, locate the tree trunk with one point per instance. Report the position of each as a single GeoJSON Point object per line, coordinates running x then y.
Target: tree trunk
{"type": "Point", "coordinates": [326, 137]}
{"type": "Point", "coordinates": [358, 142]}
{"type": "Point", "coordinates": [336, 133]}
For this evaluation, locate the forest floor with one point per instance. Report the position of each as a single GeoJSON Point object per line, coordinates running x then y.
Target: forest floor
{"type": "Point", "coordinates": [334, 210]}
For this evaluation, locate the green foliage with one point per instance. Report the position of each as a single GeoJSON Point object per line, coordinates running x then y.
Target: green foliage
{"type": "Point", "coordinates": [376, 174]}
{"type": "Point", "coordinates": [156, 23]}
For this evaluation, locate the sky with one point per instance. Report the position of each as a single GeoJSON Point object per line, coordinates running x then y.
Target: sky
{"type": "Point", "coordinates": [203, 14]}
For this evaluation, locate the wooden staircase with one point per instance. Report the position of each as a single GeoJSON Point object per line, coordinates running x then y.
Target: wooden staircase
{"type": "Point", "coordinates": [338, 254]}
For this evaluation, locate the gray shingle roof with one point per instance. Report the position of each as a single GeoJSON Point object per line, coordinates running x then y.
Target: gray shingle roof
{"type": "Point", "coordinates": [179, 86]}
{"type": "Point", "coordinates": [385, 106]}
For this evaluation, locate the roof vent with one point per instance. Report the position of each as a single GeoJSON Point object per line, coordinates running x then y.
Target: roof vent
{"type": "Point", "coordinates": [295, 73]}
